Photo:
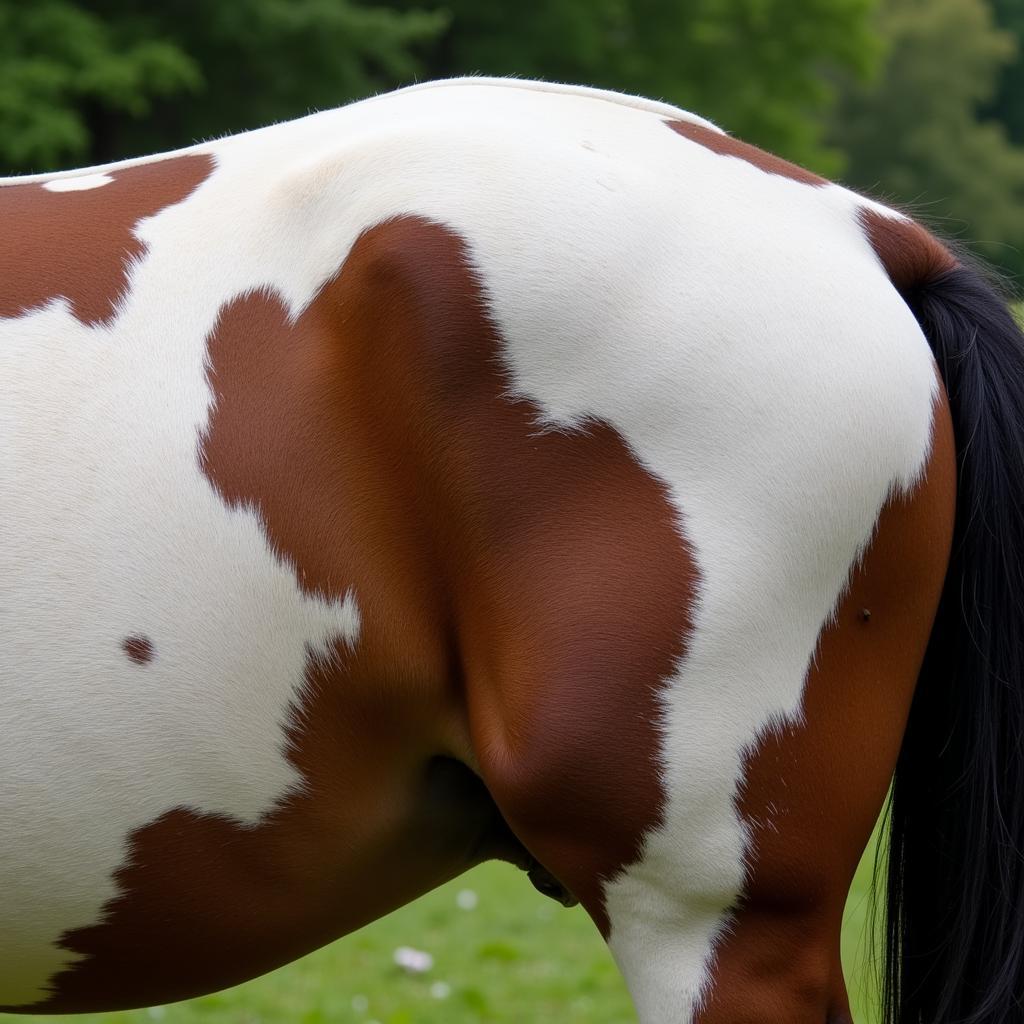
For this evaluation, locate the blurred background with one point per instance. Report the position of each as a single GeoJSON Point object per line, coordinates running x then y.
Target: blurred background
{"type": "Point", "coordinates": [917, 102]}
{"type": "Point", "coordinates": [920, 102]}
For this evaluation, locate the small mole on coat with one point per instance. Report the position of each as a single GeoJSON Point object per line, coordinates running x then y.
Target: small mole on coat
{"type": "Point", "coordinates": [138, 648]}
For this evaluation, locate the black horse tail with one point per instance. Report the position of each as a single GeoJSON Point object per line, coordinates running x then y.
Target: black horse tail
{"type": "Point", "coordinates": [955, 923]}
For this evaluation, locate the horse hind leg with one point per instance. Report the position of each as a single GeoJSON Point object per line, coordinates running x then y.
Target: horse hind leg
{"type": "Point", "coordinates": [732, 915]}
{"type": "Point", "coordinates": [811, 788]}
{"type": "Point", "coordinates": [667, 759]}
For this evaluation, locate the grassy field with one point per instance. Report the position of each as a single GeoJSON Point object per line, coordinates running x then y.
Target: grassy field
{"type": "Point", "coordinates": [514, 956]}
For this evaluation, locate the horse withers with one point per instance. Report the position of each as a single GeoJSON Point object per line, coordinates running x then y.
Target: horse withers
{"type": "Point", "coordinates": [501, 469]}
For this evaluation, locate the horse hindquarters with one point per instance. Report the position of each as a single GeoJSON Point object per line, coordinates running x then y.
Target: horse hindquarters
{"type": "Point", "coordinates": [683, 704]}
{"type": "Point", "coordinates": [738, 919]}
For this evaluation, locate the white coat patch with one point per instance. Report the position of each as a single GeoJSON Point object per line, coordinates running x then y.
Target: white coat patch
{"type": "Point", "coordinates": [79, 184]}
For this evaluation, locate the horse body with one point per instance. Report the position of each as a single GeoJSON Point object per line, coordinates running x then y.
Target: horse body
{"type": "Point", "coordinates": [486, 469]}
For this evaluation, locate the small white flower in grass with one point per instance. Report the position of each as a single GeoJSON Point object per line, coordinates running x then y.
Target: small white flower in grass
{"type": "Point", "coordinates": [466, 899]}
{"type": "Point", "coordinates": [413, 960]}
{"type": "Point", "coordinates": [440, 990]}
{"type": "Point", "coordinates": [360, 1004]}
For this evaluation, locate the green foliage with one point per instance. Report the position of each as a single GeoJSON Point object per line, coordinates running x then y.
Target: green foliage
{"type": "Point", "coordinates": [914, 133]}
{"type": "Point", "coordinates": [753, 65]}
{"type": "Point", "coordinates": [84, 82]}
{"type": "Point", "coordinates": [1008, 103]}
{"type": "Point", "coordinates": [59, 63]}
{"type": "Point", "coordinates": [268, 60]}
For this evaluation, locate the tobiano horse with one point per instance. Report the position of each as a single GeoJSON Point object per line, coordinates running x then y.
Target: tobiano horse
{"type": "Point", "coordinates": [500, 469]}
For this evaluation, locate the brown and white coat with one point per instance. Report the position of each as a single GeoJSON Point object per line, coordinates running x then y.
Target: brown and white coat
{"type": "Point", "coordinates": [489, 468]}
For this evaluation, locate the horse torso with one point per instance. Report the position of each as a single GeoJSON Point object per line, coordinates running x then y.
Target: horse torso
{"type": "Point", "coordinates": [479, 424]}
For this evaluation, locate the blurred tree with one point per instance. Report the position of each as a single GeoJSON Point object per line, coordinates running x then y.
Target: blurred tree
{"type": "Point", "coordinates": [90, 81]}
{"type": "Point", "coordinates": [914, 131]}
{"type": "Point", "coordinates": [752, 65]}
{"type": "Point", "coordinates": [60, 65]}
{"type": "Point", "coordinates": [1008, 104]}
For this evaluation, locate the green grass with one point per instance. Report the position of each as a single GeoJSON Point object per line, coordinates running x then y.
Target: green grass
{"type": "Point", "coordinates": [517, 957]}
{"type": "Point", "coordinates": [860, 943]}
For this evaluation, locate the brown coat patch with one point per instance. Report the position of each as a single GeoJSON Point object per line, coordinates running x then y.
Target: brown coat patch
{"type": "Point", "coordinates": [541, 573]}
{"type": "Point", "coordinates": [727, 145]}
{"type": "Point", "coordinates": [910, 254]}
{"type": "Point", "coordinates": [812, 792]}
{"type": "Point", "coordinates": [79, 245]}
{"type": "Point", "coordinates": [523, 596]}
{"type": "Point", "coordinates": [206, 903]}
{"type": "Point", "coordinates": [138, 648]}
